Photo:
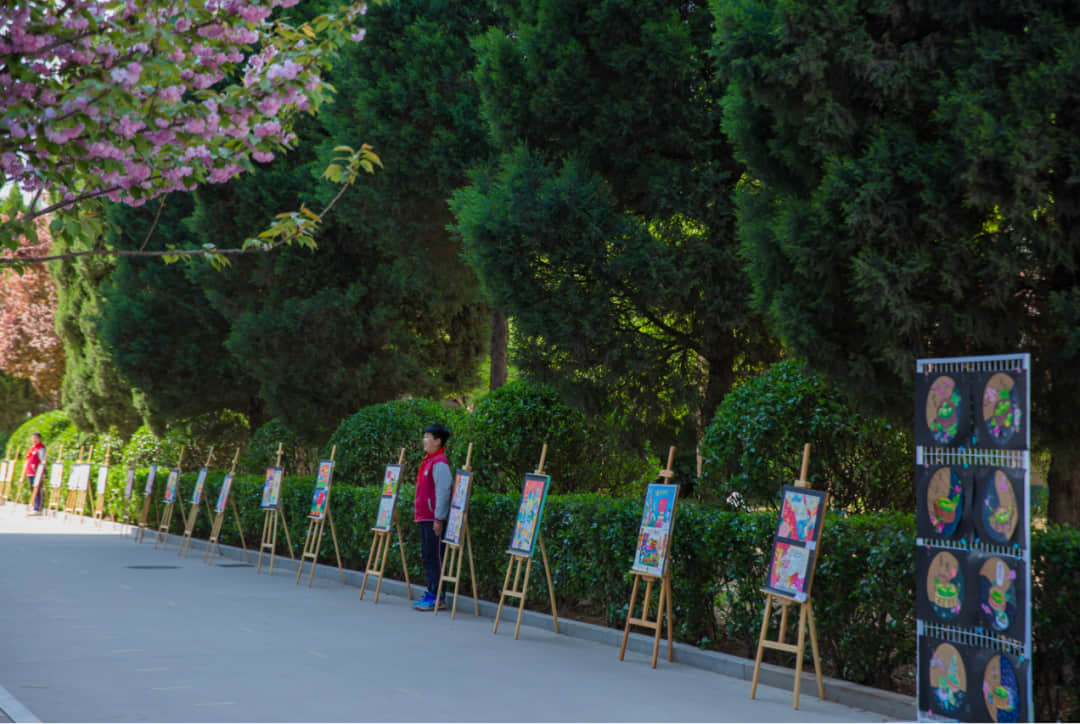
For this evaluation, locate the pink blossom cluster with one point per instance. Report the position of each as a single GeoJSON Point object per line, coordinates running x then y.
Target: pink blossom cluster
{"type": "Point", "coordinates": [130, 99]}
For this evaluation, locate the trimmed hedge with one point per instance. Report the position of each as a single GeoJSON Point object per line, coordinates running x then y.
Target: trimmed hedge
{"type": "Point", "coordinates": [864, 595]}
{"type": "Point", "coordinates": [754, 443]}
{"type": "Point", "coordinates": [370, 439]}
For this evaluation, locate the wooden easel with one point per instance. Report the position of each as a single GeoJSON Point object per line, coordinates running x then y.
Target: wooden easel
{"type": "Point", "coordinates": [76, 500]}
{"type": "Point", "coordinates": [806, 621]}
{"type": "Point", "coordinates": [5, 480]}
{"type": "Point", "coordinates": [270, 526]}
{"type": "Point", "coordinates": [189, 522]}
{"type": "Point", "coordinates": [380, 548]}
{"type": "Point", "coordinates": [215, 531]}
{"type": "Point", "coordinates": [99, 504]}
{"type": "Point", "coordinates": [166, 514]}
{"type": "Point", "coordinates": [148, 496]}
{"type": "Point", "coordinates": [54, 493]}
{"type": "Point", "coordinates": [313, 541]}
{"type": "Point", "coordinates": [515, 564]}
{"type": "Point", "coordinates": [664, 604]}
{"type": "Point", "coordinates": [451, 568]}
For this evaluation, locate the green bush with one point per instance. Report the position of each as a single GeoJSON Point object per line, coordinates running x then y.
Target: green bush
{"type": "Point", "coordinates": [1054, 627]}
{"type": "Point", "coordinates": [224, 430]}
{"type": "Point", "coordinates": [261, 450]}
{"type": "Point", "coordinates": [373, 437]}
{"type": "Point", "coordinates": [508, 429]}
{"type": "Point", "coordinates": [52, 426]}
{"type": "Point", "coordinates": [755, 441]}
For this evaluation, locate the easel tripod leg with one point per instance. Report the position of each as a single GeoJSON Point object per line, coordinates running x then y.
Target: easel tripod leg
{"type": "Point", "coordinates": [814, 650]}
{"type": "Point", "coordinates": [502, 596]}
{"type": "Point", "coordinates": [761, 645]}
{"type": "Point", "coordinates": [524, 590]}
{"type": "Point", "coordinates": [799, 655]}
{"type": "Point", "coordinates": [629, 615]}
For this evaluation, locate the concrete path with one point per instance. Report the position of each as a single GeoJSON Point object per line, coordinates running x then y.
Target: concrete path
{"type": "Point", "coordinates": [94, 627]}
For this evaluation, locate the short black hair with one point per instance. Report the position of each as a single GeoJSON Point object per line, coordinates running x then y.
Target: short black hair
{"type": "Point", "coordinates": [438, 431]}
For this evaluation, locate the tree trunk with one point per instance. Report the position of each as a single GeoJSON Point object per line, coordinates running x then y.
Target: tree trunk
{"type": "Point", "coordinates": [500, 342]}
{"type": "Point", "coordinates": [1064, 483]}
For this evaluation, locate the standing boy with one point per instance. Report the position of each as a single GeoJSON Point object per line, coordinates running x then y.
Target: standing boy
{"type": "Point", "coordinates": [432, 508]}
{"type": "Point", "coordinates": [35, 457]}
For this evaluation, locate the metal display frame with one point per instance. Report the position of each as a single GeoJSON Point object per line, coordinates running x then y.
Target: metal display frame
{"type": "Point", "coordinates": [966, 456]}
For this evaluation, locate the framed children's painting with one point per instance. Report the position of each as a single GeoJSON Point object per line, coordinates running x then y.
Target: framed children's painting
{"type": "Point", "coordinates": [654, 534]}
{"type": "Point", "coordinates": [391, 478]}
{"type": "Point", "coordinates": [462, 486]}
{"type": "Point", "coordinates": [321, 496]}
{"type": "Point", "coordinates": [459, 503]}
{"type": "Point", "coordinates": [149, 489]}
{"type": "Point", "coordinates": [530, 513]}
{"type": "Point", "coordinates": [200, 482]}
{"type": "Point", "coordinates": [56, 475]}
{"type": "Point", "coordinates": [102, 479]}
{"type": "Point", "coordinates": [798, 531]}
{"type": "Point", "coordinates": [454, 526]}
{"type": "Point", "coordinates": [129, 482]}
{"type": "Point", "coordinates": [272, 488]}
{"type": "Point", "coordinates": [223, 496]}
{"type": "Point", "coordinates": [385, 515]}
{"type": "Point", "coordinates": [171, 485]}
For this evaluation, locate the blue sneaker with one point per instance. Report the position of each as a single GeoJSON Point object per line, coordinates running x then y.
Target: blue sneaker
{"type": "Point", "coordinates": [427, 603]}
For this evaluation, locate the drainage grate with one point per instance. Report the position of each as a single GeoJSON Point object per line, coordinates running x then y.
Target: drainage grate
{"type": "Point", "coordinates": [235, 565]}
{"type": "Point", "coordinates": [152, 568]}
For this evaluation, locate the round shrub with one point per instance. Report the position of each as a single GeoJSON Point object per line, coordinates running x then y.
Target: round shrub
{"type": "Point", "coordinates": [754, 444]}
{"type": "Point", "coordinates": [262, 448]}
{"type": "Point", "coordinates": [373, 437]}
{"type": "Point", "coordinates": [52, 426]}
{"type": "Point", "coordinates": [146, 448]}
{"type": "Point", "coordinates": [508, 429]}
{"type": "Point", "coordinates": [225, 430]}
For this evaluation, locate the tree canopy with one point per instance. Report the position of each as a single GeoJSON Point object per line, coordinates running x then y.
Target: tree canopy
{"type": "Point", "coordinates": [605, 226]}
{"type": "Point", "coordinates": [911, 191]}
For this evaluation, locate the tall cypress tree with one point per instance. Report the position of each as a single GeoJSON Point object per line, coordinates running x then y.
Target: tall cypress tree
{"type": "Point", "coordinates": [911, 191]}
{"type": "Point", "coordinates": [605, 227]}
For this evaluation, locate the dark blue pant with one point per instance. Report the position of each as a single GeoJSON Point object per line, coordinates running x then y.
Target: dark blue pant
{"type": "Point", "coordinates": [431, 550]}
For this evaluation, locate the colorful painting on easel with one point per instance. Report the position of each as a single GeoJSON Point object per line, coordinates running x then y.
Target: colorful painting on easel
{"type": "Point", "coordinates": [462, 483]}
{"type": "Point", "coordinates": [56, 475]}
{"type": "Point", "coordinates": [1001, 690]}
{"type": "Point", "coordinates": [223, 496]}
{"type": "Point", "coordinates": [530, 513]}
{"type": "Point", "coordinates": [149, 489]}
{"type": "Point", "coordinates": [789, 570]}
{"type": "Point", "coordinates": [200, 483]}
{"type": "Point", "coordinates": [391, 478]}
{"type": "Point", "coordinates": [453, 526]}
{"type": "Point", "coordinates": [102, 479]}
{"type": "Point", "coordinates": [654, 534]}
{"type": "Point", "coordinates": [271, 488]}
{"type": "Point", "coordinates": [171, 485]}
{"type": "Point", "coordinates": [385, 517]}
{"type": "Point", "coordinates": [321, 496]}
{"type": "Point", "coordinates": [129, 482]}
{"type": "Point", "coordinates": [800, 514]}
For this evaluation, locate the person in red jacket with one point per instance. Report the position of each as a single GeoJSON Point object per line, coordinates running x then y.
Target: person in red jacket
{"type": "Point", "coordinates": [432, 508]}
{"type": "Point", "coordinates": [35, 457]}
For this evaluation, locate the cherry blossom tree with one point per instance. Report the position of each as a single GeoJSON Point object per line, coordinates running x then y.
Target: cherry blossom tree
{"type": "Point", "coordinates": [29, 345]}
{"type": "Point", "coordinates": [128, 100]}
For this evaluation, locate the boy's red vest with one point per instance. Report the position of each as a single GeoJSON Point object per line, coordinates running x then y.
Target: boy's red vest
{"type": "Point", "coordinates": [424, 507]}
{"type": "Point", "coordinates": [33, 459]}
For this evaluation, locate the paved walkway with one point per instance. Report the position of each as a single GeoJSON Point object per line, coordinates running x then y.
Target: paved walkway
{"type": "Point", "coordinates": [94, 627]}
